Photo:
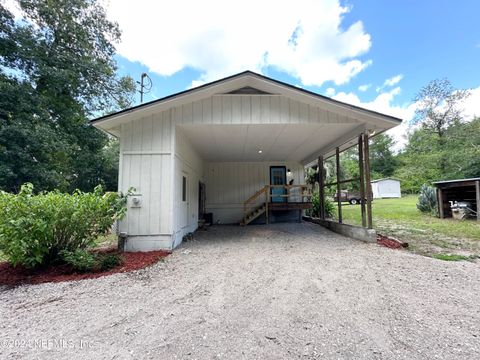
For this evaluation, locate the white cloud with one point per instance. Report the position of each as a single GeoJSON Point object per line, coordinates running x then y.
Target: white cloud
{"type": "Point", "coordinates": [306, 40]}
{"type": "Point", "coordinates": [472, 104]}
{"type": "Point", "coordinates": [364, 87]}
{"type": "Point", "coordinates": [330, 92]}
{"type": "Point", "coordinates": [384, 103]}
{"type": "Point", "coordinates": [394, 80]}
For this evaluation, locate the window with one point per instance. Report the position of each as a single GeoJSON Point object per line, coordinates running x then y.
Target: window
{"type": "Point", "coordinates": [184, 188]}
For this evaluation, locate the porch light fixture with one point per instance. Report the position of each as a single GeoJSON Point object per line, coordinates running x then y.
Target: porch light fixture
{"type": "Point", "coordinates": [289, 173]}
{"type": "Point", "coordinates": [260, 151]}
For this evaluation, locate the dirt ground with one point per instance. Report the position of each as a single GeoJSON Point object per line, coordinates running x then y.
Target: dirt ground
{"type": "Point", "coordinates": [283, 291]}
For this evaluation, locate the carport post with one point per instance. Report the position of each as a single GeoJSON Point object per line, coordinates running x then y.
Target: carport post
{"type": "Point", "coordinates": [321, 187]}
{"type": "Point", "coordinates": [477, 191]}
{"type": "Point", "coordinates": [368, 185]}
{"type": "Point", "coordinates": [362, 179]}
{"type": "Point", "coordinates": [339, 200]}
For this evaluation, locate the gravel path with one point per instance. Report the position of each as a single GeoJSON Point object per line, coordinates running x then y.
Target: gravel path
{"type": "Point", "coordinates": [282, 291]}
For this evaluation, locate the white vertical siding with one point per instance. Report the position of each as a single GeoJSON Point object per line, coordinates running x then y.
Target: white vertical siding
{"type": "Point", "coordinates": [252, 109]}
{"type": "Point", "coordinates": [189, 164]}
{"type": "Point", "coordinates": [229, 184]}
{"type": "Point", "coordinates": [155, 155]}
{"type": "Point", "coordinates": [145, 155]}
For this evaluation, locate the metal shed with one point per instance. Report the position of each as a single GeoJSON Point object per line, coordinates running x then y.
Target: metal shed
{"type": "Point", "coordinates": [460, 190]}
{"type": "Point", "coordinates": [386, 188]}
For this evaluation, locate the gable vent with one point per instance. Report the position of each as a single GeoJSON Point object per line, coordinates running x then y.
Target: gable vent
{"type": "Point", "coordinates": [248, 90]}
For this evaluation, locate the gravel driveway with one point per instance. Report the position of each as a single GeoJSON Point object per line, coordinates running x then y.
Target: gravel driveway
{"type": "Point", "coordinates": [282, 291]}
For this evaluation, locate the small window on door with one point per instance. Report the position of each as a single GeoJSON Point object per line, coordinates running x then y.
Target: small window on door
{"type": "Point", "coordinates": [184, 188]}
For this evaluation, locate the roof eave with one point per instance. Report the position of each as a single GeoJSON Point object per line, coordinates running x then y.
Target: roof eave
{"type": "Point", "coordinates": [171, 98]}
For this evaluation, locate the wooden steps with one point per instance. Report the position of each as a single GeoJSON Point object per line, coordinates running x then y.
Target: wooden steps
{"type": "Point", "coordinates": [296, 197]}
{"type": "Point", "coordinates": [253, 214]}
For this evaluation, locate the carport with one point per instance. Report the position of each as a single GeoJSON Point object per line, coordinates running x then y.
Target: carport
{"type": "Point", "coordinates": [235, 149]}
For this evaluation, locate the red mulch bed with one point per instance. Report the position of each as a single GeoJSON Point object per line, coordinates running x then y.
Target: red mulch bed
{"type": "Point", "coordinates": [390, 242]}
{"type": "Point", "coordinates": [12, 276]}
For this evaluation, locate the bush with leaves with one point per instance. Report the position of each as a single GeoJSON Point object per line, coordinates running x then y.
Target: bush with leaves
{"type": "Point", "coordinates": [427, 201]}
{"type": "Point", "coordinates": [83, 260]}
{"type": "Point", "coordinates": [34, 229]}
{"type": "Point", "coordinates": [315, 210]}
{"type": "Point", "coordinates": [80, 259]}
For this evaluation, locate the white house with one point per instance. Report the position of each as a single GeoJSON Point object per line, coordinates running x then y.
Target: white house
{"type": "Point", "coordinates": [386, 188]}
{"type": "Point", "coordinates": [211, 148]}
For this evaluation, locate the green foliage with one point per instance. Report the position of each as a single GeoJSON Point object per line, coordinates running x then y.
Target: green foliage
{"type": "Point", "coordinates": [453, 257]}
{"type": "Point", "coordinates": [79, 259]}
{"type": "Point", "coordinates": [383, 162]}
{"type": "Point", "coordinates": [424, 160]}
{"type": "Point", "coordinates": [311, 176]}
{"type": "Point", "coordinates": [82, 260]}
{"type": "Point", "coordinates": [34, 229]}
{"type": "Point", "coordinates": [427, 200]}
{"type": "Point", "coordinates": [439, 106]}
{"type": "Point", "coordinates": [109, 261]}
{"type": "Point", "coordinates": [57, 68]}
{"type": "Point", "coordinates": [315, 211]}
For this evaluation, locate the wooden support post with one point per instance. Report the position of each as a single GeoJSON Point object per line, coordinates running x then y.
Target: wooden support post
{"type": "Point", "coordinates": [267, 192]}
{"type": "Point", "coordinates": [368, 184]}
{"type": "Point", "coordinates": [339, 195]}
{"type": "Point", "coordinates": [477, 188]}
{"type": "Point", "coordinates": [321, 187]}
{"type": "Point", "coordinates": [441, 211]}
{"type": "Point", "coordinates": [362, 180]}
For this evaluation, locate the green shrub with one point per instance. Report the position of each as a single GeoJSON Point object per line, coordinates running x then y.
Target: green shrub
{"type": "Point", "coordinates": [80, 259]}
{"type": "Point", "coordinates": [315, 211]}
{"type": "Point", "coordinates": [109, 261]}
{"type": "Point", "coordinates": [34, 229]}
{"type": "Point", "coordinates": [84, 261]}
{"type": "Point", "coordinates": [427, 201]}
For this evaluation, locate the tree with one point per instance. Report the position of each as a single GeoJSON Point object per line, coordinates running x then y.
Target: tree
{"type": "Point", "coordinates": [57, 68]}
{"type": "Point", "coordinates": [438, 107]}
{"type": "Point", "coordinates": [418, 162]}
{"type": "Point", "coordinates": [463, 150]}
{"type": "Point", "coordinates": [383, 162]}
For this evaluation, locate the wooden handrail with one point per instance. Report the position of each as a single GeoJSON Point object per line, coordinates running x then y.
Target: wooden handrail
{"type": "Point", "coordinates": [266, 191]}
{"type": "Point", "coordinates": [257, 194]}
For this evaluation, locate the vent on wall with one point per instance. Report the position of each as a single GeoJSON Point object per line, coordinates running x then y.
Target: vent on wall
{"type": "Point", "coordinates": [248, 90]}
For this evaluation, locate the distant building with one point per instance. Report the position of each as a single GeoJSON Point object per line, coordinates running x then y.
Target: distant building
{"type": "Point", "coordinates": [462, 193]}
{"type": "Point", "coordinates": [386, 188]}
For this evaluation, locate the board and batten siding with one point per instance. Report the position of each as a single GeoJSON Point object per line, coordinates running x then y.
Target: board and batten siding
{"type": "Point", "coordinates": [254, 109]}
{"type": "Point", "coordinates": [155, 155]}
{"type": "Point", "coordinates": [146, 165]}
{"type": "Point", "coordinates": [229, 184]}
{"type": "Point", "coordinates": [188, 164]}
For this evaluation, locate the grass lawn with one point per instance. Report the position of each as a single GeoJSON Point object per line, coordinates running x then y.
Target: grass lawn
{"type": "Point", "coordinates": [425, 234]}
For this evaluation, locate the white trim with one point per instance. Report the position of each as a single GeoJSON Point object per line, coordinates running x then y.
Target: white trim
{"type": "Point", "coordinates": [140, 152]}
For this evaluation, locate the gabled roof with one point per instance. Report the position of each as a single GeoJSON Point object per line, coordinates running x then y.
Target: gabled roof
{"type": "Point", "coordinates": [222, 84]}
{"type": "Point", "coordinates": [378, 180]}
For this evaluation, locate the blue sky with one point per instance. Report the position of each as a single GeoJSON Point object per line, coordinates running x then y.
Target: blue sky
{"type": "Point", "coordinates": [346, 49]}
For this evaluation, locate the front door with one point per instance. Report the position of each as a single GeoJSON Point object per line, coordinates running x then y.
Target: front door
{"type": "Point", "coordinates": [278, 176]}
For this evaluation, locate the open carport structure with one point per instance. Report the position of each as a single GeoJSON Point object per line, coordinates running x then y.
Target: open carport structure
{"type": "Point", "coordinates": [235, 148]}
